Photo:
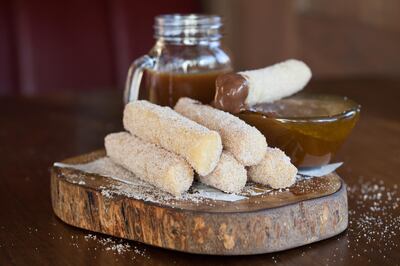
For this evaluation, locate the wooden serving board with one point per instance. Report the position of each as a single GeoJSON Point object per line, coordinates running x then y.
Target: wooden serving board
{"type": "Point", "coordinates": [310, 211]}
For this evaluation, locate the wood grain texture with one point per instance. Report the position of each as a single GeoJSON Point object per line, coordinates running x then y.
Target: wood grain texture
{"type": "Point", "coordinates": [312, 210]}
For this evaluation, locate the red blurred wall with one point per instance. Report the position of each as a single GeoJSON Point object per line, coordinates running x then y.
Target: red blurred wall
{"type": "Point", "coordinates": [78, 45]}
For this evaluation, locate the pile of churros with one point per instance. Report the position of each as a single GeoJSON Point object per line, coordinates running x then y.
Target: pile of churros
{"type": "Point", "coordinates": [170, 148]}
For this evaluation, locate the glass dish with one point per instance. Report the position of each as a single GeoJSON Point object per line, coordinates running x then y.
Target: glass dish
{"type": "Point", "coordinates": [309, 128]}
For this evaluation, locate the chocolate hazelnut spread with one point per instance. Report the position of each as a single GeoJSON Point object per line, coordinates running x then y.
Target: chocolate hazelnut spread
{"type": "Point", "coordinates": [231, 92]}
{"type": "Point", "coordinates": [236, 92]}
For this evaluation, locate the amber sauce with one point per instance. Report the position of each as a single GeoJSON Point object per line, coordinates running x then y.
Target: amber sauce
{"type": "Point", "coordinates": [165, 88]}
{"type": "Point", "coordinates": [310, 129]}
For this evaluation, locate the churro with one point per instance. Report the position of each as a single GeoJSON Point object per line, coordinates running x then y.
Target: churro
{"type": "Point", "coordinates": [275, 170]}
{"type": "Point", "coordinates": [236, 92]}
{"type": "Point", "coordinates": [163, 126]}
{"type": "Point", "coordinates": [229, 175]}
{"type": "Point", "coordinates": [155, 165]}
{"type": "Point", "coordinates": [245, 142]}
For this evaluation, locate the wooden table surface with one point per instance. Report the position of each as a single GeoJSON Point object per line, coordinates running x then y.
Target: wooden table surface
{"type": "Point", "coordinates": [37, 131]}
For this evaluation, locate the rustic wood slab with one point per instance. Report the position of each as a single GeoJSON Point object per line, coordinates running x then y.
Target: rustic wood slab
{"type": "Point", "coordinates": [310, 211]}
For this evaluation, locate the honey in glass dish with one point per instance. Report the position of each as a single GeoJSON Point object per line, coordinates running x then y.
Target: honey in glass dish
{"type": "Point", "coordinates": [309, 128]}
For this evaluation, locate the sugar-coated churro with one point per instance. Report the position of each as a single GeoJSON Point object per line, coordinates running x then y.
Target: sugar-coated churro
{"type": "Point", "coordinates": [245, 142]}
{"type": "Point", "coordinates": [163, 126]}
{"type": "Point", "coordinates": [275, 170]}
{"type": "Point", "coordinates": [229, 175]}
{"type": "Point", "coordinates": [239, 91]}
{"type": "Point", "coordinates": [155, 165]}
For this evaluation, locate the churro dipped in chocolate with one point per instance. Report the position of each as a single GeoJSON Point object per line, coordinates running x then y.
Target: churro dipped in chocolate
{"type": "Point", "coordinates": [275, 170]}
{"type": "Point", "coordinates": [163, 126]}
{"type": "Point", "coordinates": [229, 175]}
{"type": "Point", "coordinates": [245, 142]}
{"type": "Point", "coordinates": [236, 92]}
{"type": "Point", "coordinates": [155, 165]}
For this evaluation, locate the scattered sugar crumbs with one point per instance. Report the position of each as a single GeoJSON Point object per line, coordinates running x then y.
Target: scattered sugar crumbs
{"type": "Point", "coordinates": [113, 245]}
{"type": "Point", "coordinates": [118, 246]}
{"type": "Point", "coordinates": [374, 223]}
{"type": "Point", "coordinates": [131, 186]}
{"type": "Point", "coordinates": [374, 215]}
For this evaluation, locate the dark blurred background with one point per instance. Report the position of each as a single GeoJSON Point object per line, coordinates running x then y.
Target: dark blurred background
{"type": "Point", "coordinates": [85, 45]}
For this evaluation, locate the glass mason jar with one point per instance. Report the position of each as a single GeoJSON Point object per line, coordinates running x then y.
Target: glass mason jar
{"type": "Point", "coordinates": [184, 62]}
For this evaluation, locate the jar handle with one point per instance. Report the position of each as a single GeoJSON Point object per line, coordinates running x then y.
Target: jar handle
{"type": "Point", "coordinates": [135, 74]}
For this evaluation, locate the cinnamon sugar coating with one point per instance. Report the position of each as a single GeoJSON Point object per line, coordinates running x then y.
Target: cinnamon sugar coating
{"type": "Point", "coordinates": [155, 165]}
{"type": "Point", "coordinates": [229, 175]}
{"type": "Point", "coordinates": [166, 128]}
{"type": "Point", "coordinates": [245, 142]}
{"type": "Point", "coordinates": [275, 170]}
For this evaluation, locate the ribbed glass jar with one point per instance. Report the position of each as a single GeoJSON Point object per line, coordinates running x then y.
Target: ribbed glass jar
{"type": "Point", "coordinates": [184, 62]}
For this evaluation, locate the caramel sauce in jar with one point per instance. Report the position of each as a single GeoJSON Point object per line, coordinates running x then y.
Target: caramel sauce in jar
{"type": "Point", "coordinates": [308, 128]}
{"type": "Point", "coordinates": [186, 59]}
{"type": "Point", "coordinates": [165, 88]}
